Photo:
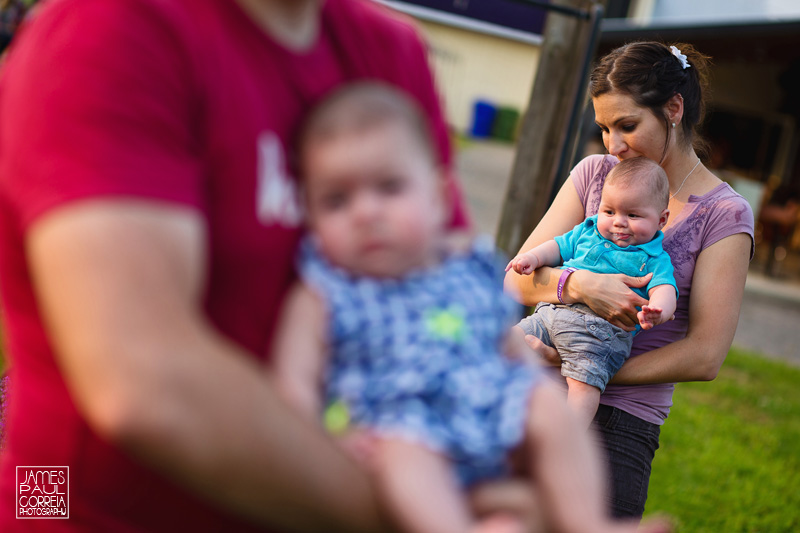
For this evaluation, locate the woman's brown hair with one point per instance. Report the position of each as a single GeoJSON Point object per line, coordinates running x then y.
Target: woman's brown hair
{"type": "Point", "coordinates": [651, 74]}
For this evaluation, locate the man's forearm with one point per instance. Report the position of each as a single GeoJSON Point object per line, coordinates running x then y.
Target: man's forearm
{"type": "Point", "coordinates": [120, 285]}
{"type": "Point", "coordinates": [216, 426]}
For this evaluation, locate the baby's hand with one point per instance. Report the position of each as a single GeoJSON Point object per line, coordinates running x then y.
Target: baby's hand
{"type": "Point", "coordinates": [523, 264]}
{"type": "Point", "coordinates": [650, 316]}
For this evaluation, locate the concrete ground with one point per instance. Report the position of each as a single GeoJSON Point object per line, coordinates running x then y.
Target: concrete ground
{"type": "Point", "coordinates": [769, 322]}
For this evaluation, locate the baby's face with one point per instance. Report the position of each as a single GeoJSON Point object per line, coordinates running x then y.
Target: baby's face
{"type": "Point", "coordinates": [375, 201]}
{"type": "Point", "coordinates": [628, 215]}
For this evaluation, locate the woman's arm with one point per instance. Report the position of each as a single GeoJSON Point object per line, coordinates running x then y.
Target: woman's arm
{"type": "Point", "coordinates": [565, 212]}
{"type": "Point", "coordinates": [546, 254]}
{"type": "Point", "coordinates": [717, 291]}
{"type": "Point", "coordinates": [608, 295]}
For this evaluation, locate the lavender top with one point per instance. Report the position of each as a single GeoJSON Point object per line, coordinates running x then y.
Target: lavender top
{"type": "Point", "coordinates": [703, 221]}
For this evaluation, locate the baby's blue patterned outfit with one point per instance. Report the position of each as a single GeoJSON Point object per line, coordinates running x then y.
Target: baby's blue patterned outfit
{"type": "Point", "coordinates": [419, 358]}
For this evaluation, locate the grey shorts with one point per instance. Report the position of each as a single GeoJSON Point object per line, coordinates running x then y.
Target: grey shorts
{"type": "Point", "coordinates": [591, 349]}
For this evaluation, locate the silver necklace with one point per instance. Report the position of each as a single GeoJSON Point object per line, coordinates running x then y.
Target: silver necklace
{"type": "Point", "coordinates": [684, 179]}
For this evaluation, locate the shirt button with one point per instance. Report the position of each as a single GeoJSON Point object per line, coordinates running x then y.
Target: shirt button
{"type": "Point", "coordinates": [592, 328]}
{"type": "Point", "coordinates": [608, 245]}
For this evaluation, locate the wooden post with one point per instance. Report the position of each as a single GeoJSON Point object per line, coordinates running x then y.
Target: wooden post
{"type": "Point", "coordinates": [550, 125]}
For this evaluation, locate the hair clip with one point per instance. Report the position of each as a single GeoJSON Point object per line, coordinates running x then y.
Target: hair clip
{"type": "Point", "coordinates": [681, 57]}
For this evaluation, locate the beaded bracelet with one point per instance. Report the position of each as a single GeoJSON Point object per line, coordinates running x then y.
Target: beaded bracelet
{"type": "Point", "coordinates": [562, 280]}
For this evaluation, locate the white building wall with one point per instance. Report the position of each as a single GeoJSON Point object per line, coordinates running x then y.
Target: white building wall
{"type": "Point", "coordinates": [471, 66]}
{"type": "Point", "coordinates": [717, 10]}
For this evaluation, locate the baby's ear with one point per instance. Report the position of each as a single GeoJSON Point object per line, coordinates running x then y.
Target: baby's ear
{"type": "Point", "coordinates": [662, 221]}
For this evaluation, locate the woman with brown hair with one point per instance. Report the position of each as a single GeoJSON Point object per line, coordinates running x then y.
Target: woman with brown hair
{"type": "Point", "coordinates": [649, 99]}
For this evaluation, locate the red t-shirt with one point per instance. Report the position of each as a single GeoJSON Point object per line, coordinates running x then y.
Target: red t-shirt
{"type": "Point", "coordinates": [180, 101]}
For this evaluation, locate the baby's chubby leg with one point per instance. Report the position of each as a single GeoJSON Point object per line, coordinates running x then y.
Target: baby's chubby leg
{"type": "Point", "coordinates": [567, 471]}
{"type": "Point", "coordinates": [423, 493]}
{"type": "Point", "coordinates": [583, 399]}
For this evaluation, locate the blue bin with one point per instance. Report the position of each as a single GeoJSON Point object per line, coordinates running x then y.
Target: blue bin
{"type": "Point", "coordinates": [483, 119]}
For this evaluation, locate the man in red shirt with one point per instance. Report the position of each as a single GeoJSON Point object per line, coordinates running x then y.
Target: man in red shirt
{"type": "Point", "coordinates": [148, 224]}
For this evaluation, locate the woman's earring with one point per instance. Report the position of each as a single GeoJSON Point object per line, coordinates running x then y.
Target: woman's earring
{"type": "Point", "coordinates": [673, 125]}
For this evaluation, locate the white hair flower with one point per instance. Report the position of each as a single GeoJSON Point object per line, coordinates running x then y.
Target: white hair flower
{"type": "Point", "coordinates": [681, 57]}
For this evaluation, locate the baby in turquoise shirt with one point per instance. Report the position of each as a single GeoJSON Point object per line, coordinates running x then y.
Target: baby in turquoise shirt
{"type": "Point", "coordinates": [624, 237]}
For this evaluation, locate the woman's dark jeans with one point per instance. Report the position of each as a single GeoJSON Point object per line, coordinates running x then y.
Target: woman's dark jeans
{"type": "Point", "coordinates": [630, 445]}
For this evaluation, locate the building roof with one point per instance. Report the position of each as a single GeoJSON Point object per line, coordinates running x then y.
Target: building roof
{"type": "Point", "coordinates": [745, 39]}
{"type": "Point", "coordinates": [510, 19]}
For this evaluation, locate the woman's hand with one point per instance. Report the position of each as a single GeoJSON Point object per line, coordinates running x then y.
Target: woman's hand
{"type": "Point", "coordinates": [529, 348]}
{"type": "Point", "coordinates": [609, 295]}
{"type": "Point", "coordinates": [547, 355]}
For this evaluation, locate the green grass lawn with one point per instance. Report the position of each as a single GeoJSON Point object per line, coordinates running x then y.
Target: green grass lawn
{"type": "Point", "coordinates": [730, 452]}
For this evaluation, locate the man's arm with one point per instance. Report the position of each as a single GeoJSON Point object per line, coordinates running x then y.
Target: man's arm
{"type": "Point", "coordinates": [120, 287]}
{"type": "Point", "coordinates": [300, 351]}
